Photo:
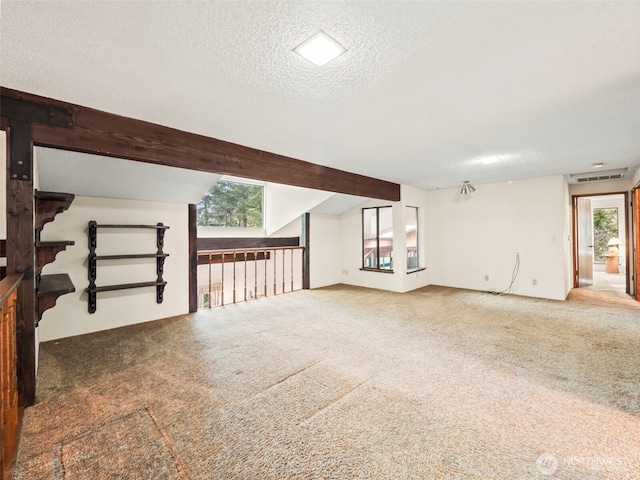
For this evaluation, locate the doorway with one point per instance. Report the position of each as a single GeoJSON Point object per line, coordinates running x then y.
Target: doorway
{"type": "Point", "coordinates": [601, 243]}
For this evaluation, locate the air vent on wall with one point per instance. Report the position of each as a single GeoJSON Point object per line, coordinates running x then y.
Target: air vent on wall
{"type": "Point", "coordinates": [617, 174]}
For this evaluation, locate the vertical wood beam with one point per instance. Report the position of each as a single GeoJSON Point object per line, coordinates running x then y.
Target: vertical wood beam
{"type": "Point", "coordinates": [21, 253]}
{"type": "Point", "coordinates": [306, 236]}
{"type": "Point", "coordinates": [193, 259]}
{"type": "Point", "coordinates": [635, 205]}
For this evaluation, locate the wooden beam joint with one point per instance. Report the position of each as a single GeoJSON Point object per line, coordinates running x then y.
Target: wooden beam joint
{"type": "Point", "coordinates": [21, 114]}
{"type": "Point", "coordinates": [36, 112]}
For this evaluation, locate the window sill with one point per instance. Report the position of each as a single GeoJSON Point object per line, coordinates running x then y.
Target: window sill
{"type": "Point", "coordinates": [378, 270]}
{"type": "Point", "coordinates": [416, 270]}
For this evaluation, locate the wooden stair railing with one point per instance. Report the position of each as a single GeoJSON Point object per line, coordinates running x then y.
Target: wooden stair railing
{"type": "Point", "coordinates": [49, 287]}
{"type": "Point", "coordinates": [9, 410]}
{"type": "Point", "coordinates": [3, 255]}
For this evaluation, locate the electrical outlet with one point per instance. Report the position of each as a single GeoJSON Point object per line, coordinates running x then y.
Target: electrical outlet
{"type": "Point", "coordinates": [534, 281]}
{"type": "Point", "coordinates": [486, 278]}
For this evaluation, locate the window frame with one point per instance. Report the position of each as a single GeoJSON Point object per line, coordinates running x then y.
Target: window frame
{"type": "Point", "coordinates": [377, 268]}
{"type": "Point", "coordinates": [417, 268]}
{"type": "Point", "coordinates": [239, 227]}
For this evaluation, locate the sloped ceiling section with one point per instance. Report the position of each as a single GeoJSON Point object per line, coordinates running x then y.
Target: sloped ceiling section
{"type": "Point", "coordinates": [284, 203]}
{"type": "Point", "coordinates": [337, 204]}
{"type": "Point", "coordinates": [98, 176]}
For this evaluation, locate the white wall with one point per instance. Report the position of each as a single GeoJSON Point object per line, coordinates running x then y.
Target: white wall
{"type": "Point", "coordinates": [292, 229]}
{"type": "Point", "coordinates": [124, 307]}
{"type": "Point", "coordinates": [284, 203]}
{"type": "Point", "coordinates": [479, 234]}
{"type": "Point", "coordinates": [324, 243]}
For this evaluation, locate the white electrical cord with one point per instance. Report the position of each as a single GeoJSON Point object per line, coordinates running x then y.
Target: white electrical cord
{"type": "Point", "coordinates": [514, 276]}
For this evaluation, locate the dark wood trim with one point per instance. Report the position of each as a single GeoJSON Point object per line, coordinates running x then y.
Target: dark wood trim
{"type": "Point", "coordinates": [111, 135]}
{"type": "Point", "coordinates": [36, 110]}
{"type": "Point", "coordinates": [4, 122]}
{"type": "Point", "coordinates": [124, 226]}
{"type": "Point", "coordinates": [8, 286]}
{"type": "Point", "coordinates": [378, 270]}
{"type": "Point", "coordinates": [193, 258]}
{"type": "Point", "coordinates": [230, 243]}
{"type": "Point", "coordinates": [124, 286]}
{"type": "Point", "coordinates": [636, 237]}
{"type": "Point", "coordinates": [46, 252]}
{"type": "Point", "coordinates": [627, 250]}
{"type": "Point", "coordinates": [416, 270]}
{"type": "Point", "coordinates": [131, 256]}
{"type": "Point", "coordinates": [21, 257]}
{"type": "Point", "coordinates": [574, 238]}
{"type": "Point", "coordinates": [306, 240]}
{"type": "Point", "coordinates": [205, 258]}
{"type": "Point", "coordinates": [10, 415]}
{"type": "Point", "coordinates": [3, 248]}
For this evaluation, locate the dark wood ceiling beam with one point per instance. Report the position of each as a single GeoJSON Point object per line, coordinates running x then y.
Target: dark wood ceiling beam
{"type": "Point", "coordinates": [103, 133]}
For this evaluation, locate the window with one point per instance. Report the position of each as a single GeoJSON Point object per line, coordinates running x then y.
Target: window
{"type": "Point", "coordinates": [377, 238]}
{"type": "Point", "coordinates": [605, 227]}
{"type": "Point", "coordinates": [231, 204]}
{"type": "Point", "coordinates": [413, 260]}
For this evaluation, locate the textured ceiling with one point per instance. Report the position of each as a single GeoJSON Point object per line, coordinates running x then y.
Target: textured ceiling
{"type": "Point", "coordinates": [428, 94]}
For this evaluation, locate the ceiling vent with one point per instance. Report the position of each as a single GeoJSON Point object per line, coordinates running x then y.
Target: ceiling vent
{"type": "Point", "coordinates": [617, 174]}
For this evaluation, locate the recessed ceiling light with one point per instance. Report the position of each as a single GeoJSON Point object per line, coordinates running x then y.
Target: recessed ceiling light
{"type": "Point", "coordinates": [320, 49]}
{"type": "Point", "coordinates": [598, 165]}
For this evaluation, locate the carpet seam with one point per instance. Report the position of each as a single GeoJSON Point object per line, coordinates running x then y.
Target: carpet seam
{"type": "Point", "coordinates": [169, 446]}
{"type": "Point", "coordinates": [332, 402]}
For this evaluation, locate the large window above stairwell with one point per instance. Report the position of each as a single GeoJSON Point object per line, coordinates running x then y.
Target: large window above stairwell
{"type": "Point", "coordinates": [232, 204]}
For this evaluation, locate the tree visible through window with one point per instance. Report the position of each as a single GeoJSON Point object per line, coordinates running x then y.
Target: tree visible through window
{"type": "Point", "coordinates": [605, 227]}
{"type": "Point", "coordinates": [231, 204]}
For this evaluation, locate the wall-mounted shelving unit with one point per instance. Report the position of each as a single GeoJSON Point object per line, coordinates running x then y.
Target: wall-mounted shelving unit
{"type": "Point", "coordinates": [93, 259]}
{"type": "Point", "coordinates": [49, 287]}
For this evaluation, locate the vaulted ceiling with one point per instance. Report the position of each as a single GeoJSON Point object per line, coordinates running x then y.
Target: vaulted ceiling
{"type": "Point", "coordinates": [428, 94]}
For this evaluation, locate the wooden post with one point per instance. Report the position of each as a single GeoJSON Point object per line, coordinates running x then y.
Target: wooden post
{"type": "Point", "coordinates": [306, 276]}
{"type": "Point", "coordinates": [21, 253]}
{"type": "Point", "coordinates": [193, 261]}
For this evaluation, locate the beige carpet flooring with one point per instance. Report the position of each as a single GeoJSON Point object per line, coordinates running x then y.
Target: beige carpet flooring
{"type": "Point", "coordinates": [346, 382]}
{"type": "Point", "coordinates": [608, 289]}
